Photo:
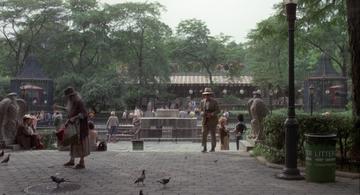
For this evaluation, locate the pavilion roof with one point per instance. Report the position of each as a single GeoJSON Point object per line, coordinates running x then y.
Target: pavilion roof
{"type": "Point", "coordinates": [188, 79]}
{"type": "Point", "coordinates": [325, 68]}
{"type": "Point", "coordinates": [32, 69]}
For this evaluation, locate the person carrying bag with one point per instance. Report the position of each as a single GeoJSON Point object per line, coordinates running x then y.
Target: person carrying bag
{"type": "Point", "coordinates": [76, 131]}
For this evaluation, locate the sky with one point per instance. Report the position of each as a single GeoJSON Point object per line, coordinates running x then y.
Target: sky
{"type": "Point", "coordinates": [232, 17]}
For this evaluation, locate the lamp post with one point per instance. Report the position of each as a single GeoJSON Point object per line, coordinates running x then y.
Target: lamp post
{"type": "Point", "coordinates": [290, 171]}
{"type": "Point", "coordinates": [311, 91]}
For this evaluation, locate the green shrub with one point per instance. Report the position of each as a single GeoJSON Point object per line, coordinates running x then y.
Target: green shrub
{"type": "Point", "coordinates": [271, 154]}
{"type": "Point", "coordinates": [233, 114]}
{"type": "Point", "coordinates": [48, 139]}
{"type": "Point", "coordinates": [230, 99]}
{"type": "Point", "coordinates": [338, 123]}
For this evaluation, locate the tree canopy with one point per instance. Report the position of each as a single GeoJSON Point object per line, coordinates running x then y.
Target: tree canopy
{"type": "Point", "coordinates": [116, 54]}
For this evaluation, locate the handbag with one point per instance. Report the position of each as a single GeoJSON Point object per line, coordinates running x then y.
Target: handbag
{"type": "Point", "coordinates": [71, 134]}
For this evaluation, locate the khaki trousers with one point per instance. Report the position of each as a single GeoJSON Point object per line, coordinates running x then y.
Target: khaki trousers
{"type": "Point", "coordinates": [205, 131]}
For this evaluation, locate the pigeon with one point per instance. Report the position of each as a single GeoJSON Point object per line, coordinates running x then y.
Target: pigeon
{"type": "Point", "coordinates": [57, 180]}
{"type": "Point", "coordinates": [215, 161]}
{"type": "Point", "coordinates": [164, 181]}
{"type": "Point", "coordinates": [141, 178]}
{"type": "Point", "coordinates": [6, 160]}
{"type": "Point", "coordinates": [141, 192]}
{"type": "Point", "coordinates": [2, 153]}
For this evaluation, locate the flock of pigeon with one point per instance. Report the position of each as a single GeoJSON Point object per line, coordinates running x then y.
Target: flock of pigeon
{"type": "Point", "coordinates": [59, 180]}
{"type": "Point", "coordinates": [141, 179]}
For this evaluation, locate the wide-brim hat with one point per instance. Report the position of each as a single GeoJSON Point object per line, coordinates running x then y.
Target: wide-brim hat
{"type": "Point", "coordinates": [69, 92]}
{"type": "Point", "coordinates": [207, 91]}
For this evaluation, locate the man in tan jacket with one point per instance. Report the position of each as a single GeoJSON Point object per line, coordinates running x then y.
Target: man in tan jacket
{"type": "Point", "coordinates": [209, 110]}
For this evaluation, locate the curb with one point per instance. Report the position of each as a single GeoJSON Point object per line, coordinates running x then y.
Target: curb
{"type": "Point", "coordinates": [263, 161]}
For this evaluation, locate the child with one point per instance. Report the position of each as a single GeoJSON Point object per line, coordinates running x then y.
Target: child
{"type": "Point", "coordinates": [224, 134]}
{"type": "Point", "coordinates": [239, 129]}
{"type": "Point", "coordinates": [92, 136]}
{"type": "Point", "coordinates": [112, 124]}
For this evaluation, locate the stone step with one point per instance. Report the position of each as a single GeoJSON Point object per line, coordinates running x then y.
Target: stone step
{"type": "Point", "coordinates": [170, 139]}
{"type": "Point", "coordinates": [247, 144]}
{"type": "Point", "coordinates": [13, 147]}
{"type": "Point", "coordinates": [251, 141]}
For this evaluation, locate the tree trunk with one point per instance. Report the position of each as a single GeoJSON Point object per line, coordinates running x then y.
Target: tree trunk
{"type": "Point", "coordinates": [344, 72]}
{"type": "Point", "coordinates": [141, 59]}
{"type": "Point", "coordinates": [353, 17]}
{"type": "Point", "coordinates": [210, 74]}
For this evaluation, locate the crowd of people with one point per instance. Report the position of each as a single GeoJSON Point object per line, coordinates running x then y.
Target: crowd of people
{"type": "Point", "coordinates": [212, 123]}
{"type": "Point", "coordinates": [78, 133]}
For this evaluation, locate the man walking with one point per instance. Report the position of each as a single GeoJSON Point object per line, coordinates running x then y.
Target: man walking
{"type": "Point", "coordinates": [209, 110]}
{"type": "Point", "coordinates": [78, 119]}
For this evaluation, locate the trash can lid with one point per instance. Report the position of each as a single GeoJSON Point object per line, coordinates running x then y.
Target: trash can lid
{"type": "Point", "coordinates": [314, 135]}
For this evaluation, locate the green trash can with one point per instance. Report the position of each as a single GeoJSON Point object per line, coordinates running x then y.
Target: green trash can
{"type": "Point", "coordinates": [320, 151]}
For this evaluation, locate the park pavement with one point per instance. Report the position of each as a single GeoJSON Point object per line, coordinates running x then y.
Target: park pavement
{"type": "Point", "coordinates": [191, 172]}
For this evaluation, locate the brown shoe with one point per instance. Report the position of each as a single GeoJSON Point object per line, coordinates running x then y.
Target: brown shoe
{"type": "Point", "coordinates": [69, 164]}
{"type": "Point", "coordinates": [79, 166]}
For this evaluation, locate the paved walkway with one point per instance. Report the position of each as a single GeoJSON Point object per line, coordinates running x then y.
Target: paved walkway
{"type": "Point", "coordinates": [114, 172]}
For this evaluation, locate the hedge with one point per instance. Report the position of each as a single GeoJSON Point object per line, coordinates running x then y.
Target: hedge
{"type": "Point", "coordinates": [338, 123]}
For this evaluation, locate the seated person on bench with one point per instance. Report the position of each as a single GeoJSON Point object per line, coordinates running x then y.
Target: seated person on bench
{"type": "Point", "coordinates": [26, 136]}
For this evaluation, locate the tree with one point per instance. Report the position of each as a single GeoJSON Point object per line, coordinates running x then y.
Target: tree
{"type": "Point", "coordinates": [196, 46]}
{"type": "Point", "coordinates": [22, 22]}
{"type": "Point", "coordinates": [235, 58]}
{"type": "Point", "coordinates": [267, 52]}
{"type": "Point", "coordinates": [103, 91]}
{"type": "Point", "coordinates": [320, 29]}
{"type": "Point", "coordinates": [67, 79]}
{"type": "Point", "coordinates": [322, 25]}
{"type": "Point", "coordinates": [88, 42]}
{"type": "Point", "coordinates": [137, 28]}
{"type": "Point", "coordinates": [353, 18]}
{"type": "Point", "coordinates": [140, 39]}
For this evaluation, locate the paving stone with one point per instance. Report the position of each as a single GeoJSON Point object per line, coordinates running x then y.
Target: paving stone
{"type": "Point", "coordinates": [114, 172]}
